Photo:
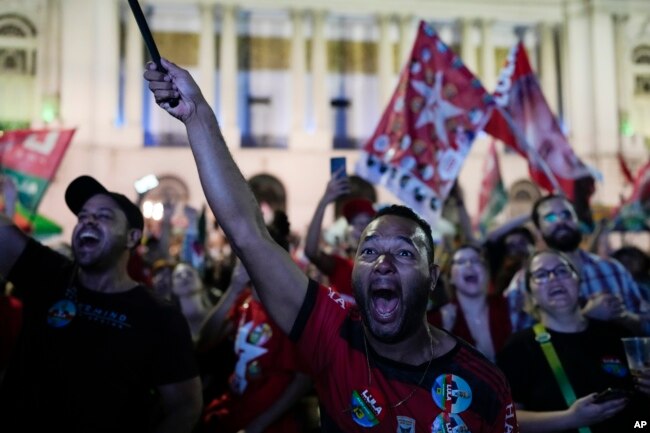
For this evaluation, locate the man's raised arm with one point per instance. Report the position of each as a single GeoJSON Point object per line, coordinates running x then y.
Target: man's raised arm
{"type": "Point", "coordinates": [280, 283]}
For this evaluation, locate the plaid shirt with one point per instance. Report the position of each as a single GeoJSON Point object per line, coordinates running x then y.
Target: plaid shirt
{"type": "Point", "coordinates": [598, 275]}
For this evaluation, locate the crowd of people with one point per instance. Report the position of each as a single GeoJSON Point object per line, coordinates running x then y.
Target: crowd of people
{"type": "Point", "coordinates": [384, 328]}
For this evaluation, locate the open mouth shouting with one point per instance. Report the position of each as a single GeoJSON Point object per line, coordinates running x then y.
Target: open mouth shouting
{"type": "Point", "coordinates": [557, 292]}
{"type": "Point", "coordinates": [88, 239]}
{"type": "Point", "coordinates": [471, 278]}
{"type": "Point", "coordinates": [560, 296]}
{"type": "Point", "coordinates": [470, 283]}
{"type": "Point", "coordinates": [385, 301]}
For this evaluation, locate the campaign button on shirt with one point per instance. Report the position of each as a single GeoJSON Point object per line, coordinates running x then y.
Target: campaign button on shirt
{"type": "Point", "coordinates": [449, 423]}
{"type": "Point", "coordinates": [367, 407]}
{"type": "Point", "coordinates": [61, 313]}
{"type": "Point", "coordinates": [451, 393]}
{"type": "Point", "coordinates": [260, 334]}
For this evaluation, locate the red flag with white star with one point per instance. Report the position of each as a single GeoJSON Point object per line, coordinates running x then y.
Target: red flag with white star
{"type": "Point", "coordinates": [525, 122]}
{"type": "Point", "coordinates": [428, 127]}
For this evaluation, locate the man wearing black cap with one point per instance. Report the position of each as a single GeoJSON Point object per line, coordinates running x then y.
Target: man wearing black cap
{"type": "Point", "coordinates": [98, 352]}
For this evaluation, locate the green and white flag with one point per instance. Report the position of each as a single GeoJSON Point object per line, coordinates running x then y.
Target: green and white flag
{"type": "Point", "coordinates": [493, 197]}
{"type": "Point", "coordinates": [31, 158]}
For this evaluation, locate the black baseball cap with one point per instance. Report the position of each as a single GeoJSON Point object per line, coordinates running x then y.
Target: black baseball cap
{"type": "Point", "coordinates": [83, 188]}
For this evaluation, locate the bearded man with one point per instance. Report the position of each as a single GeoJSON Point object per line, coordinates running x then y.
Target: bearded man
{"type": "Point", "coordinates": [98, 352]}
{"type": "Point", "coordinates": [607, 290]}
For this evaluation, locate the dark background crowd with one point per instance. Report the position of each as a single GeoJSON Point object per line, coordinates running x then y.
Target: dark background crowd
{"type": "Point", "coordinates": [489, 290]}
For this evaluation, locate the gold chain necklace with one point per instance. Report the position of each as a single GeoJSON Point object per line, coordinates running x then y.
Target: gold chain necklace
{"type": "Point", "coordinates": [424, 375]}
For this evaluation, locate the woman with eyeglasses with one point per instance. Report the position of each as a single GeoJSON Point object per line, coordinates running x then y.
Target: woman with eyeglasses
{"type": "Point", "coordinates": [472, 314]}
{"type": "Point", "coordinates": [557, 368]}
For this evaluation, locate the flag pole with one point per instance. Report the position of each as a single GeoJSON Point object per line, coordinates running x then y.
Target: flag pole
{"type": "Point", "coordinates": [533, 156]}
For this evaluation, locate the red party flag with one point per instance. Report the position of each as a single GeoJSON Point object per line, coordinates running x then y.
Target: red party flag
{"type": "Point", "coordinates": [633, 212]}
{"type": "Point", "coordinates": [31, 158]}
{"type": "Point", "coordinates": [427, 129]}
{"type": "Point", "coordinates": [524, 121]}
{"type": "Point", "coordinates": [641, 191]}
{"type": "Point", "coordinates": [625, 169]}
{"type": "Point", "coordinates": [493, 196]}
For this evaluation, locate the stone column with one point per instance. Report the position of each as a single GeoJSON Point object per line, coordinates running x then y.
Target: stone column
{"type": "Point", "coordinates": [406, 38]}
{"type": "Point", "coordinates": [298, 138]}
{"type": "Point", "coordinates": [322, 109]}
{"type": "Point", "coordinates": [624, 85]}
{"type": "Point", "coordinates": [207, 54]}
{"type": "Point", "coordinates": [53, 55]}
{"type": "Point", "coordinates": [467, 46]}
{"type": "Point", "coordinates": [48, 57]}
{"type": "Point", "coordinates": [228, 76]}
{"type": "Point", "coordinates": [446, 33]}
{"type": "Point", "coordinates": [579, 85]}
{"type": "Point", "coordinates": [77, 71]}
{"type": "Point", "coordinates": [488, 67]}
{"type": "Point", "coordinates": [384, 60]}
{"type": "Point", "coordinates": [548, 67]}
{"type": "Point", "coordinates": [105, 70]}
{"type": "Point", "coordinates": [563, 70]}
{"type": "Point", "coordinates": [133, 81]}
{"type": "Point", "coordinates": [604, 83]}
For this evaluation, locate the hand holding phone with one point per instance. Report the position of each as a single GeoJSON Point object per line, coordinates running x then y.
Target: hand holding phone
{"type": "Point", "coordinates": [610, 394]}
{"type": "Point", "coordinates": [337, 167]}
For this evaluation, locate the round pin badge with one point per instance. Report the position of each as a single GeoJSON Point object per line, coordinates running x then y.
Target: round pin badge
{"type": "Point", "coordinates": [254, 369]}
{"type": "Point", "coordinates": [367, 407]}
{"type": "Point", "coordinates": [260, 334]}
{"type": "Point", "coordinates": [61, 313]}
{"type": "Point", "coordinates": [451, 393]}
{"type": "Point", "coordinates": [448, 423]}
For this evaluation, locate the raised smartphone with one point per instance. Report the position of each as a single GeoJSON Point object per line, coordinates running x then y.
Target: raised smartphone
{"type": "Point", "coordinates": [611, 394]}
{"type": "Point", "coordinates": [336, 164]}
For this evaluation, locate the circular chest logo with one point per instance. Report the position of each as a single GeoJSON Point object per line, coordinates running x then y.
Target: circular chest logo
{"type": "Point", "coordinates": [448, 423]}
{"type": "Point", "coordinates": [254, 370]}
{"type": "Point", "coordinates": [260, 334]}
{"type": "Point", "coordinates": [451, 393]}
{"type": "Point", "coordinates": [367, 407]}
{"type": "Point", "coordinates": [61, 313]}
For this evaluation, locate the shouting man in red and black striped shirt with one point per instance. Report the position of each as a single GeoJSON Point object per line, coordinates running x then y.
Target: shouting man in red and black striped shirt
{"type": "Point", "coordinates": [378, 364]}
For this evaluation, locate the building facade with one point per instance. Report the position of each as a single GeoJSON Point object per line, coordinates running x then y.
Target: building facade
{"type": "Point", "coordinates": [295, 83]}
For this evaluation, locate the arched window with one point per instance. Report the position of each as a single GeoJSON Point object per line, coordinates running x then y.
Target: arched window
{"type": "Point", "coordinates": [170, 190]}
{"type": "Point", "coordinates": [18, 47]}
{"type": "Point", "coordinates": [169, 193]}
{"type": "Point", "coordinates": [18, 71]}
{"type": "Point", "coordinates": [523, 194]}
